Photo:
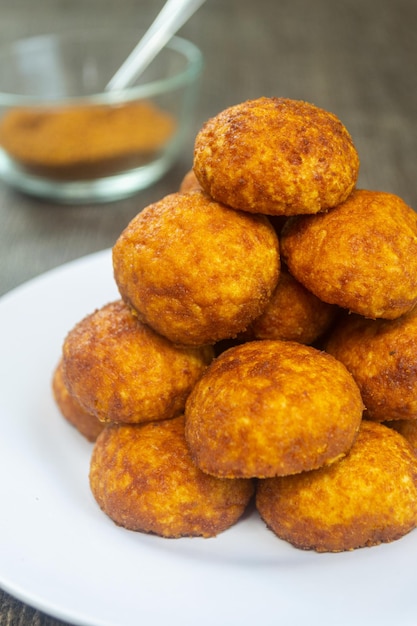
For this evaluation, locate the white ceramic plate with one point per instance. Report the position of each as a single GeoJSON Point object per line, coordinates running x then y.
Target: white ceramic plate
{"type": "Point", "coordinates": [59, 553]}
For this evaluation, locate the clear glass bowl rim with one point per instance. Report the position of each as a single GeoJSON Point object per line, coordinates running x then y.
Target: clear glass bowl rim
{"type": "Point", "coordinates": [188, 75]}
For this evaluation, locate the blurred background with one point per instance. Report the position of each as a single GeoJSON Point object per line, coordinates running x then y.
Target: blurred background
{"type": "Point", "coordinates": [356, 58]}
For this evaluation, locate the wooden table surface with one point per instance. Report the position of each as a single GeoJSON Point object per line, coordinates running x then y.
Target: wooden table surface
{"type": "Point", "coordinates": [356, 58]}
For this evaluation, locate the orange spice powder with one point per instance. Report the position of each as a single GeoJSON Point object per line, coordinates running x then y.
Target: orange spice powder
{"type": "Point", "coordinates": [84, 142]}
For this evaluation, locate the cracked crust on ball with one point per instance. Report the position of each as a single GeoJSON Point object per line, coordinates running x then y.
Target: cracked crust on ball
{"type": "Point", "coordinates": [276, 156]}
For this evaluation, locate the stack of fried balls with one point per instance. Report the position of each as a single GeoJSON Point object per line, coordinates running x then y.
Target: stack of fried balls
{"type": "Point", "coordinates": [264, 348]}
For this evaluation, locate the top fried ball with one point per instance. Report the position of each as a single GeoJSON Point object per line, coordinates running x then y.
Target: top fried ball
{"type": "Point", "coordinates": [195, 270]}
{"type": "Point", "coordinates": [361, 255]}
{"type": "Point", "coordinates": [276, 156]}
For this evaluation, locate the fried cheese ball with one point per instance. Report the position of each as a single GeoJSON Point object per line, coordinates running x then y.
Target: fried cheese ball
{"type": "Point", "coordinates": [143, 478]}
{"type": "Point", "coordinates": [195, 270]}
{"type": "Point", "coordinates": [189, 183]}
{"type": "Point", "coordinates": [382, 357]}
{"type": "Point", "coordinates": [268, 408]}
{"type": "Point", "coordinates": [120, 370]}
{"type": "Point", "coordinates": [87, 424]}
{"type": "Point", "coordinates": [361, 255]}
{"type": "Point", "coordinates": [276, 156]}
{"type": "Point", "coordinates": [367, 498]}
{"type": "Point", "coordinates": [293, 314]}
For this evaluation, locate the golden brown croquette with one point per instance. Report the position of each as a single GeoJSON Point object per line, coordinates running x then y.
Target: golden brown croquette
{"type": "Point", "coordinates": [293, 314]}
{"type": "Point", "coordinates": [268, 408]}
{"type": "Point", "coordinates": [120, 370]}
{"type": "Point", "coordinates": [382, 357]}
{"type": "Point", "coordinates": [143, 478]}
{"type": "Point", "coordinates": [86, 423]}
{"type": "Point", "coordinates": [196, 270]}
{"type": "Point", "coordinates": [361, 255]}
{"type": "Point", "coordinates": [366, 498]}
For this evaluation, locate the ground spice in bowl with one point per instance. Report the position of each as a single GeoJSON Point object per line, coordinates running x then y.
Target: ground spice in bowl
{"type": "Point", "coordinates": [85, 142]}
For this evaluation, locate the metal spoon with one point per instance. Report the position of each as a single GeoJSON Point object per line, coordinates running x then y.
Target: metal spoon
{"type": "Point", "coordinates": [168, 21]}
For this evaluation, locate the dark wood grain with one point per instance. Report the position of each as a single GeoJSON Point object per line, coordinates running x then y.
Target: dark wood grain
{"type": "Point", "coordinates": [356, 58]}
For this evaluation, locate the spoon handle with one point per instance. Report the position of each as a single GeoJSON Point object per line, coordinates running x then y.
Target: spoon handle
{"type": "Point", "coordinates": [168, 21]}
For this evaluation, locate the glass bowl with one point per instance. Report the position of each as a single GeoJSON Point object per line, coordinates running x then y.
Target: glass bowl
{"type": "Point", "coordinates": [64, 137]}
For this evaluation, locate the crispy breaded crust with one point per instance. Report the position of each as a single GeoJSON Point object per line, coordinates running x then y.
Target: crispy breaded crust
{"type": "Point", "coordinates": [122, 371]}
{"type": "Point", "coordinates": [382, 357]}
{"type": "Point", "coordinates": [143, 479]}
{"type": "Point", "coordinates": [367, 498]}
{"type": "Point", "coordinates": [87, 424]}
{"type": "Point", "coordinates": [361, 255]}
{"type": "Point", "coordinates": [195, 270]}
{"type": "Point", "coordinates": [276, 156]}
{"type": "Point", "coordinates": [268, 408]}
